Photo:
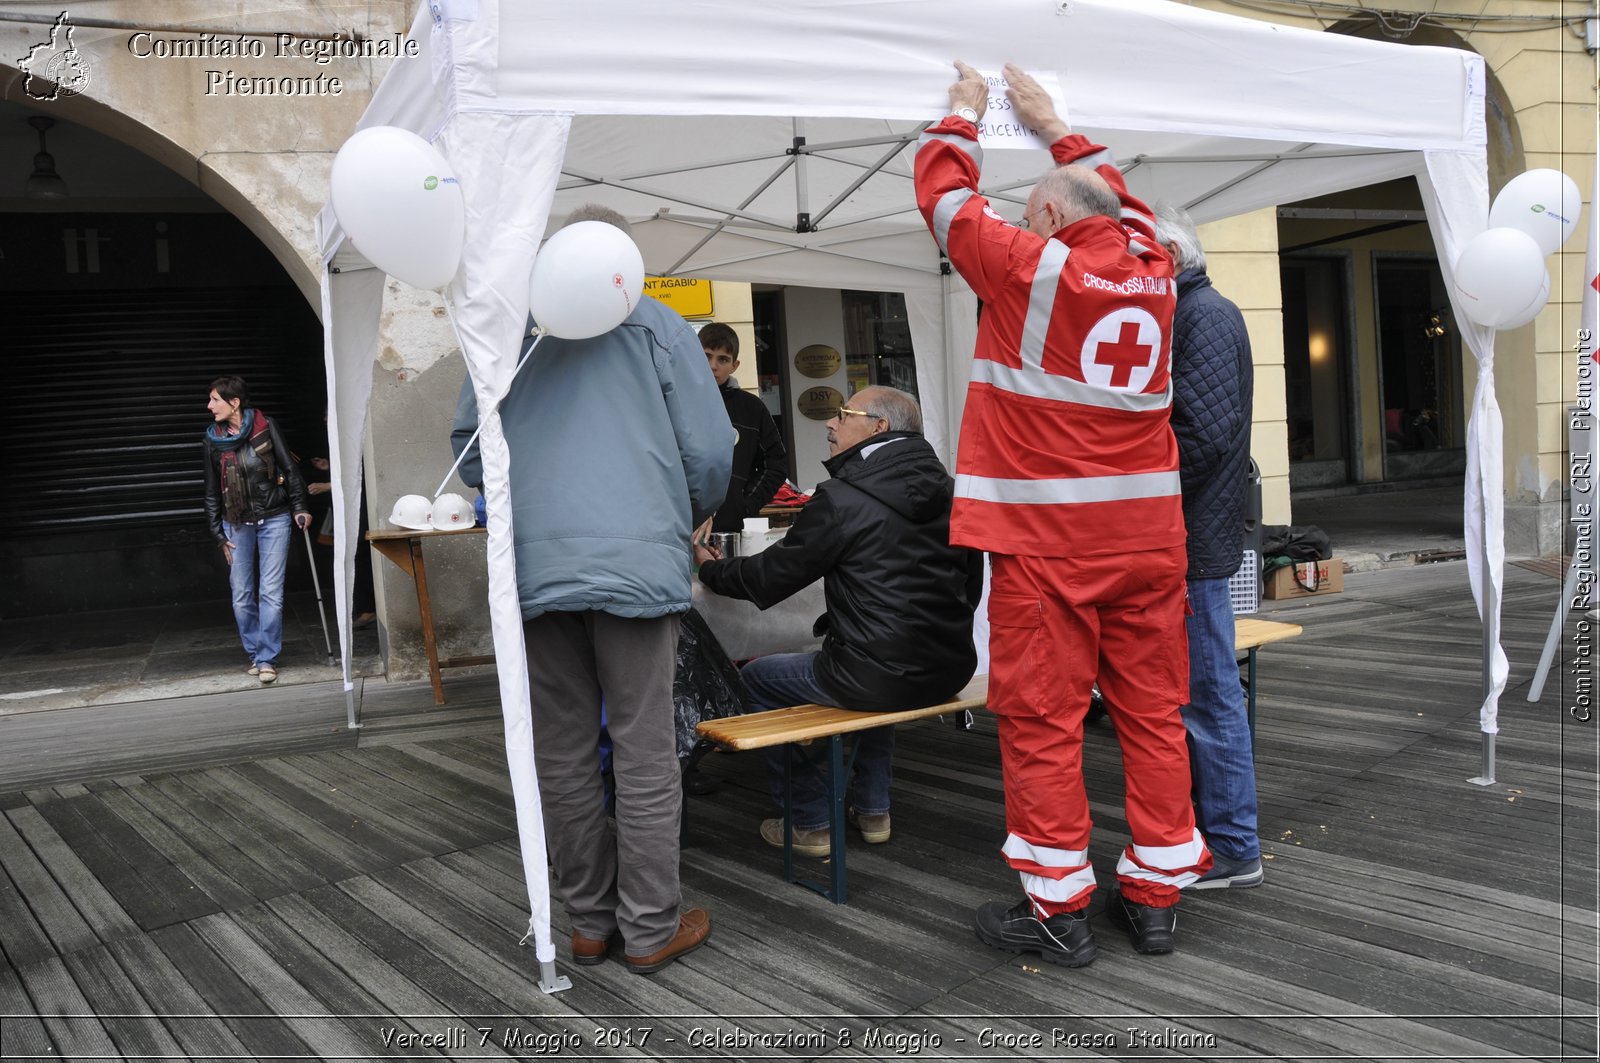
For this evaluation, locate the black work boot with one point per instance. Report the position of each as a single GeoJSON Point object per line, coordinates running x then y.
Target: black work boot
{"type": "Point", "coordinates": [1064, 939]}
{"type": "Point", "coordinates": [1150, 929]}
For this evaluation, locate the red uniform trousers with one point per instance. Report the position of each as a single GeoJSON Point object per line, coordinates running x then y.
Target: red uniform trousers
{"type": "Point", "coordinates": [1056, 624]}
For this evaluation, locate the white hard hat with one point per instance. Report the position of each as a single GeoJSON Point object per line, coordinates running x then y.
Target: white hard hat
{"type": "Point", "coordinates": [411, 511]}
{"type": "Point", "coordinates": [452, 511]}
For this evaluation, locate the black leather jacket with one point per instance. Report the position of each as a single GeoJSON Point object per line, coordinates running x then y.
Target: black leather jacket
{"type": "Point", "coordinates": [269, 491]}
{"type": "Point", "coordinates": [898, 631]}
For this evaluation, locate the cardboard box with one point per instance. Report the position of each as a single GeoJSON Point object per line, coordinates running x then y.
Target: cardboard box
{"type": "Point", "coordinates": [1328, 578]}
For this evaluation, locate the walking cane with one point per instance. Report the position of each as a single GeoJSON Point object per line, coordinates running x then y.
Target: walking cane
{"type": "Point", "coordinates": [316, 582]}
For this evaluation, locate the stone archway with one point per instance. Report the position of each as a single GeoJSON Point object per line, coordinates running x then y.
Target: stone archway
{"type": "Point", "coordinates": [123, 299]}
{"type": "Point", "coordinates": [272, 197]}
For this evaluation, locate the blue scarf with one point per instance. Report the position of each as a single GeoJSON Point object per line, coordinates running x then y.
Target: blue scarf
{"type": "Point", "coordinates": [217, 434]}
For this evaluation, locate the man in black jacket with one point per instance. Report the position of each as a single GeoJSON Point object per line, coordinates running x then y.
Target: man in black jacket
{"type": "Point", "coordinates": [759, 460]}
{"type": "Point", "coordinates": [1212, 381]}
{"type": "Point", "coordinates": [898, 631]}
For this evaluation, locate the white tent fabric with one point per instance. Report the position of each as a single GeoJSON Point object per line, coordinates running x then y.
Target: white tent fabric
{"type": "Point", "coordinates": [774, 142]}
{"type": "Point", "coordinates": [350, 337]}
{"type": "Point", "coordinates": [1462, 179]}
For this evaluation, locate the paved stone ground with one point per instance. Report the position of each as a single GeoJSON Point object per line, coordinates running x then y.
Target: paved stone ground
{"type": "Point", "coordinates": [1388, 528]}
{"type": "Point", "coordinates": [133, 655]}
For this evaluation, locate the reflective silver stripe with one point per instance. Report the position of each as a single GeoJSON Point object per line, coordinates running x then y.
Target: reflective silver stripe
{"type": "Point", "coordinates": [966, 144]}
{"type": "Point", "coordinates": [1171, 856]}
{"type": "Point", "coordinates": [1098, 159]}
{"type": "Point", "coordinates": [1075, 490]}
{"type": "Point", "coordinates": [944, 212]}
{"type": "Point", "coordinates": [1042, 302]}
{"type": "Point", "coordinates": [1019, 849]}
{"type": "Point", "coordinates": [1164, 864]}
{"type": "Point", "coordinates": [1057, 889]}
{"type": "Point", "coordinates": [1135, 247]}
{"type": "Point", "coordinates": [1149, 222]}
{"type": "Point", "coordinates": [1037, 384]}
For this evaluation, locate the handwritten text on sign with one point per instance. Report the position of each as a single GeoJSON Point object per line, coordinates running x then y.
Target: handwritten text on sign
{"type": "Point", "coordinates": [1000, 128]}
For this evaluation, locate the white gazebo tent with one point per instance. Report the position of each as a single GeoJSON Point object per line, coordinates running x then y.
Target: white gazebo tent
{"type": "Point", "coordinates": [773, 143]}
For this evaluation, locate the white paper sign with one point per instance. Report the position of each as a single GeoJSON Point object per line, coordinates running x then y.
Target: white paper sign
{"type": "Point", "coordinates": [1000, 128]}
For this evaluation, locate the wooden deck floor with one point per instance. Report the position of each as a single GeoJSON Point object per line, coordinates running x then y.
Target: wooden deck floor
{"type": "Point", "coordinates": [241, 877]}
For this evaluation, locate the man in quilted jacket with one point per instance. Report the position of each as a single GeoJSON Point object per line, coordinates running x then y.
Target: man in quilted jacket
{"type": "Point", "coordinates": [1212, 378]}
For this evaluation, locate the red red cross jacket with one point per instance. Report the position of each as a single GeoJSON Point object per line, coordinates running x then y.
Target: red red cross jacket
{"type": "Point", "coordinates": [1065, 444]}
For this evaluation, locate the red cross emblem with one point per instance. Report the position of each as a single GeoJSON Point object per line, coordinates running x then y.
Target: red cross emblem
{"type": "Point", "coordinates": [1122, 349]}
{"type": "Point", "coordinates": [1125, 355]}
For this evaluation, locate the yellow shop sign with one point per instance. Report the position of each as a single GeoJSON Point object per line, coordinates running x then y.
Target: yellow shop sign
{"type": "Point", "coordinates": [686, 295]}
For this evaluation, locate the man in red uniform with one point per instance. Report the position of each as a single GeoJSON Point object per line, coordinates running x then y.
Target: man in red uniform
{"type": "Point", "coordinates": [1067, 473]}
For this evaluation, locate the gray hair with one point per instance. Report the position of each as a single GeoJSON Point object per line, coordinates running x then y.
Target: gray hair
{"type": "Point", "coordinates": [1078, 192]}
{"type": "Point", "coordinates": [1175, 227]}
{"type": "Point", "coordinates": [597, 212]}
{"type": "Point", "coordinates": [893, 405]}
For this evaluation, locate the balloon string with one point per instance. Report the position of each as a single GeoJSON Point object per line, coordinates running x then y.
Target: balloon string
{"type": "Point", "coordinates": [538, 335]}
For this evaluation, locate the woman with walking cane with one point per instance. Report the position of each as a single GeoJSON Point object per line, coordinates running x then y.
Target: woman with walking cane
{"type": "Point", "coordinates": [252, 487]}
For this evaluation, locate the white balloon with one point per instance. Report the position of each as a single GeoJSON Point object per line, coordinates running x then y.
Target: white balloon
{"type": "Point", "coordinates": [1531, 311]}
{"type": "Point", "coordinates": [587, 279]}
{"type": "Point", "coordinates": [1542, 203]}
{"type": "Point", "coordinates": [1498, 275]}
{"type": "Point", "coordinates": [398, 200]}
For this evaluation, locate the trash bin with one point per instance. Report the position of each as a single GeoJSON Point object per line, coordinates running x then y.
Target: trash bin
{"type": "Point", "coordinates": [1244, 588]}
{"type": "Point", "coordinates": [1252, 508]}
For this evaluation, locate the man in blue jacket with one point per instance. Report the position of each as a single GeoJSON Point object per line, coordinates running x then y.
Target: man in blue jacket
{"type": "Point", "coordinates": [619, 447]}
{"type": "Point", "coordinates": [1213, 378]}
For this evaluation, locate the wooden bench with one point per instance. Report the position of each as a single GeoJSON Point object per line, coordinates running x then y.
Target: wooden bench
{"type": "Point", "coordinates": [806, 723]}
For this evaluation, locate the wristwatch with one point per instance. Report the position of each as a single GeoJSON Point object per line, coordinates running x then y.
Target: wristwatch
{"type": "Point", "coordinates": [966, 112]}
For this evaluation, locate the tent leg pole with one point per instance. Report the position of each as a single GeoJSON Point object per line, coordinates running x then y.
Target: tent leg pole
{"type": "Point", "coordinates": [1487, 778]}
{"type": "Point", "coordinates": [550, 981]}
{"type": "Point", "coordinates": [1491, 608]}
{"type": "Point", "coordinates": [1567, 591]}
{"type": "Point", "coordinates": [352, 718]}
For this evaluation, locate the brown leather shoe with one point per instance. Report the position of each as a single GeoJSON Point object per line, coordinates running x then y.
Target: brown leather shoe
{"type": "Point", "coordinates": [589, 951]}
{"type": "Point", "coordinates": [694, 926]}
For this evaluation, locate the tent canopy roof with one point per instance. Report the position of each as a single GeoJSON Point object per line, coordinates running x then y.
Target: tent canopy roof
{"type": "Point", "coordinates": [687, 116]}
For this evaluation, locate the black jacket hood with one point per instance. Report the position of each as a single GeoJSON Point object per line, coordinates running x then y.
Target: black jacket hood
{"type": "Point", "coordinates": [898, 469]}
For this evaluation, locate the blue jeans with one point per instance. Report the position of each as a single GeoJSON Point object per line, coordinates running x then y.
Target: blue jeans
{"type": "Point", "coordinates": [260, 555]}
{"type": "Point", "coordinates": [1221, 759]}
{"type": "Point", "coordinates": [784, 679]}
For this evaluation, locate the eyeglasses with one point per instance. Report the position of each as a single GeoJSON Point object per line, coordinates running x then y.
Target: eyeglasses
{"type": "Point", "coordinates": [844, 411]}
{"type": "Point", "coordinates": [1026, 218]}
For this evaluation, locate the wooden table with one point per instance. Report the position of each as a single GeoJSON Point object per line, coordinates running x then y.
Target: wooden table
{"type": "Point", "coordinates": [1249, 635]}
{"type": "Point", "coordinates": [403, 546]}
{"type": "Point", "coordinates": [780, 516]}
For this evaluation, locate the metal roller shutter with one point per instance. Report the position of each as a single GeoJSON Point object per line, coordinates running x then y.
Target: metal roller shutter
{"type": "Point", "coordinates": [103, 405]}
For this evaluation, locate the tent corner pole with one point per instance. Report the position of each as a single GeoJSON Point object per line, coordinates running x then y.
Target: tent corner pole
{"type": "Point", "coordinates": [551, 982]}
{"type": "Point", "coordinates": [1487, 776]}
{"type": "Point", "coordinates": [352, 718]}
{"type": "Point", "coordinates": [1568, 590]}
{"type": "Point", "coordinates": [1491, 607]}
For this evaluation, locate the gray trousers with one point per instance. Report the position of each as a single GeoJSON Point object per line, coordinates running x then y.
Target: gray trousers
{"type": "Point", "coordinates": [608, 879]}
